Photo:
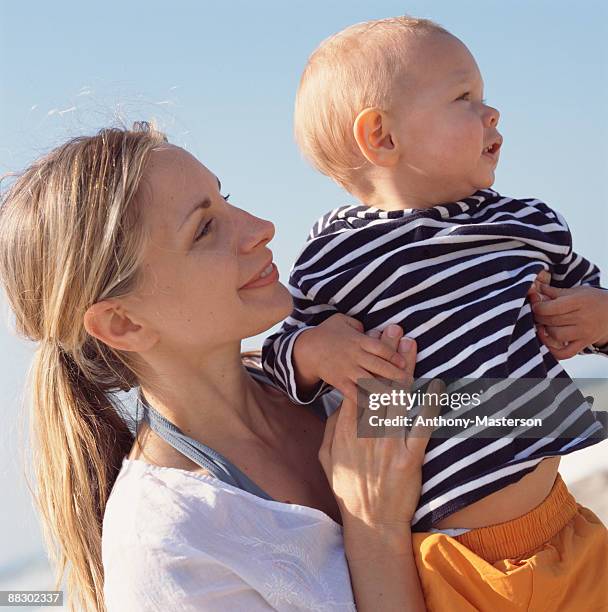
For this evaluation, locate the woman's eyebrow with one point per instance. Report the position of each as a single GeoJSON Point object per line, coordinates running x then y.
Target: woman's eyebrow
{"type": "Point", "coordinates": [205, 203]}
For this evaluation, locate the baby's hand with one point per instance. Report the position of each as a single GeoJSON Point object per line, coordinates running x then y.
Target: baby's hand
{"type": "Point", "coordinates": [338, 352]}
{"type": "Point", "coordinates": [568, 320]}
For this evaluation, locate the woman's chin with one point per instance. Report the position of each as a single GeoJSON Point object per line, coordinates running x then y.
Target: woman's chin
{"type": "Point", "coordinates": [268, 307]}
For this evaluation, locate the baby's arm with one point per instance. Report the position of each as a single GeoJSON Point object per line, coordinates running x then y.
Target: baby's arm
{"type": "Point", "coordinates": [317, 349]}
{"type": "Point", "coordinates": [278, 349]}
{"type": "Point", "coordinates": [340, 353]}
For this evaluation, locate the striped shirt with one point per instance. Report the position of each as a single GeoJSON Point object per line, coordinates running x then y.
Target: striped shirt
{"type": "Point", "coordinates": [455, 277]}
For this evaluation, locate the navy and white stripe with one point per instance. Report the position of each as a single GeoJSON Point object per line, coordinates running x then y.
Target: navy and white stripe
{"type": "Point", "coordinates": [455, 277]}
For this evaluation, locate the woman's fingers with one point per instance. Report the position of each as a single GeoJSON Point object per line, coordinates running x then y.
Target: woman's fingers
{"type": "Point", "coordinates": [347, 419]}
{"type": "Point", "coordinates": [341, 424]}
{"type": "Point", "coordinates": [328, 438]}
{"type": "Point", "coordinates": [407, 349]}
{"type": "Point", "coordinates": [558, 337]}
{"type": "Point", "coordinates": [420, 433]}
{"type": "Point", "coordinates": [566, 352]}
{"type": "Point", "coordinates": [377, 479]}
{"type": "Point", "coordinates": [555, 320]}
{"type": "Point", "coordinates": [386, 350]}
{"type": "Point", "coordinates": [564, 333]}
{"type": "Point", "coordinates": [393, 428]}
{"type": "Point", "coordinates": [544, 277]}
{"type": "Point", "coordinates": [535, 292]}
{"type": "Point", "coordinates": [560, 305]}
{"type": "Point", "coordinates": [391, 336]}
{"type": "Point", "coordinates": [404, 376]}
{"type": "Point", "coordinates": [547, 339]}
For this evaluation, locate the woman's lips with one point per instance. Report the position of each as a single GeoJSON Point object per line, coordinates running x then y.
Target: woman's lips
{"type": "Point", "coordinates": [271, 278]}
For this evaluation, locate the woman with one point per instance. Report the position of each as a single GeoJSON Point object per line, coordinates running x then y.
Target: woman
{"type": "Point", "coordinates": [121, 258]}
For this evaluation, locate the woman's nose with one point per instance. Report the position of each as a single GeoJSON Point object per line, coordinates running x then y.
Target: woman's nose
{"type": "Point", "coordinates": [255, 232]}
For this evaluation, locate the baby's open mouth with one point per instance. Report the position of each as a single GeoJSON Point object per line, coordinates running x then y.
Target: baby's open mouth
{"type": "Point", "coordinates": [492, 149]}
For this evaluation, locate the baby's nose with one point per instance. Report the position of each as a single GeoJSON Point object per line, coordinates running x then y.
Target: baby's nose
{"type": "Point", "coordinates": [493, 115]}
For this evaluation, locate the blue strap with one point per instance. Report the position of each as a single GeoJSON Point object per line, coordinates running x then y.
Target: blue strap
{"type": "Point", "coordinates": [197, 452]}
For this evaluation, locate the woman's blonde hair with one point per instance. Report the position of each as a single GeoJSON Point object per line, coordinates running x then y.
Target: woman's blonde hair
{"type": "Point", "coordinates": [71, 235]}
{"type": "Point", "coordinates": [354, 69]}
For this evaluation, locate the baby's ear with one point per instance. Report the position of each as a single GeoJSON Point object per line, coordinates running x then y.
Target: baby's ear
{"type": "Point", "coordinates": [371, 130]}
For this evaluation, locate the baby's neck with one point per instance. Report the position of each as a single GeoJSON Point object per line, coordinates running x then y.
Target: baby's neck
{"type": "Point", "coordinates": [398, 203]}
{"type": "Point", "coordinates": [393, 197]}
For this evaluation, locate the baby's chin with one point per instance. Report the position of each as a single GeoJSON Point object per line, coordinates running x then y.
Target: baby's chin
{"type": "Point", "coordinates": [473, 188]}
{"type": "Point", "coordinates": [487, 182]}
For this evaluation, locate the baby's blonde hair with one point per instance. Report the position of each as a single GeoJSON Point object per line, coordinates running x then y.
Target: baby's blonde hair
{"type": "Point", "coordinates": [350, 71]}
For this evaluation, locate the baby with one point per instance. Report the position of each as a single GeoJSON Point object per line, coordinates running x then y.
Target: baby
{"type": "Point", "coordinates": [393, 110]}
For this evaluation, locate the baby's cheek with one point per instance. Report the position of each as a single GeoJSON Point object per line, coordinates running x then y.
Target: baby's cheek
{"type": "Point", "coordinates": [441, 147]}
{"type": "Point", "coordinates": [436, 154]}
{"type": "Point", "coordinates": [451, 155]}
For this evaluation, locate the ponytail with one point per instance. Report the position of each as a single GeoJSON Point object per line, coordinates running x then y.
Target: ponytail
{"type": "Point", "coordinates": [80, 441]}
{"type": "Point", "coordinates": [71, 235]}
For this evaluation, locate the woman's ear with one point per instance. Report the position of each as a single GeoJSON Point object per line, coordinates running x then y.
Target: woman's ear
{"type": "Point", "coordinates": [372, 133]}
{"type": "Point", "coordinates": [109, 322]}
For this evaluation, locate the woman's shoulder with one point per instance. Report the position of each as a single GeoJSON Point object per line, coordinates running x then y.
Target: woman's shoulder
{"type": "Point", "coordinates": [148, 500]}
{"type": "Point", "coordinates": [156, 518]}
{"type": "Point", "coordinates": [161, 534]}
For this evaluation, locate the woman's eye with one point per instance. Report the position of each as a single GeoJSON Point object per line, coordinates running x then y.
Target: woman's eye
{"type": "Point", "coordinates": [225, 196]}
{"type": "Point", "coordinates": [204, 231]}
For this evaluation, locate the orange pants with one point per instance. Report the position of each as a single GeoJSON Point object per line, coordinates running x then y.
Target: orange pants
{"type": "Point", "coordinates": [552, 559]}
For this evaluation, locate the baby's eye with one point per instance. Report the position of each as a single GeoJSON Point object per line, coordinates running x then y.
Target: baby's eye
{"type": "Point", "coordinates": [467, 95]}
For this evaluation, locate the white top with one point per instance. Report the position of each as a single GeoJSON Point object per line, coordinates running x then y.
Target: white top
{"type": "Point", "coordinates": [178, 540]}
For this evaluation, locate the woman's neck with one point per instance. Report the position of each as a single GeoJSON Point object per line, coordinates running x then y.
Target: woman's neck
{"type": "Point", "coordinates": [211, 399]}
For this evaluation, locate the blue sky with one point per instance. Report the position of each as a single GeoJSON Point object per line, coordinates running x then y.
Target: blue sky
{"type": "Point", "coordinates": [220, 78]}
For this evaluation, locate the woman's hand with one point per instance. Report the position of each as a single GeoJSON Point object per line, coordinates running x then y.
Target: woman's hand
{"type": "Point", "coordinates": [376, 480]}
{"type": "Point", "coordinates": [534, 291]}
{"type": "Point", "coordinates": [568, 320]}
